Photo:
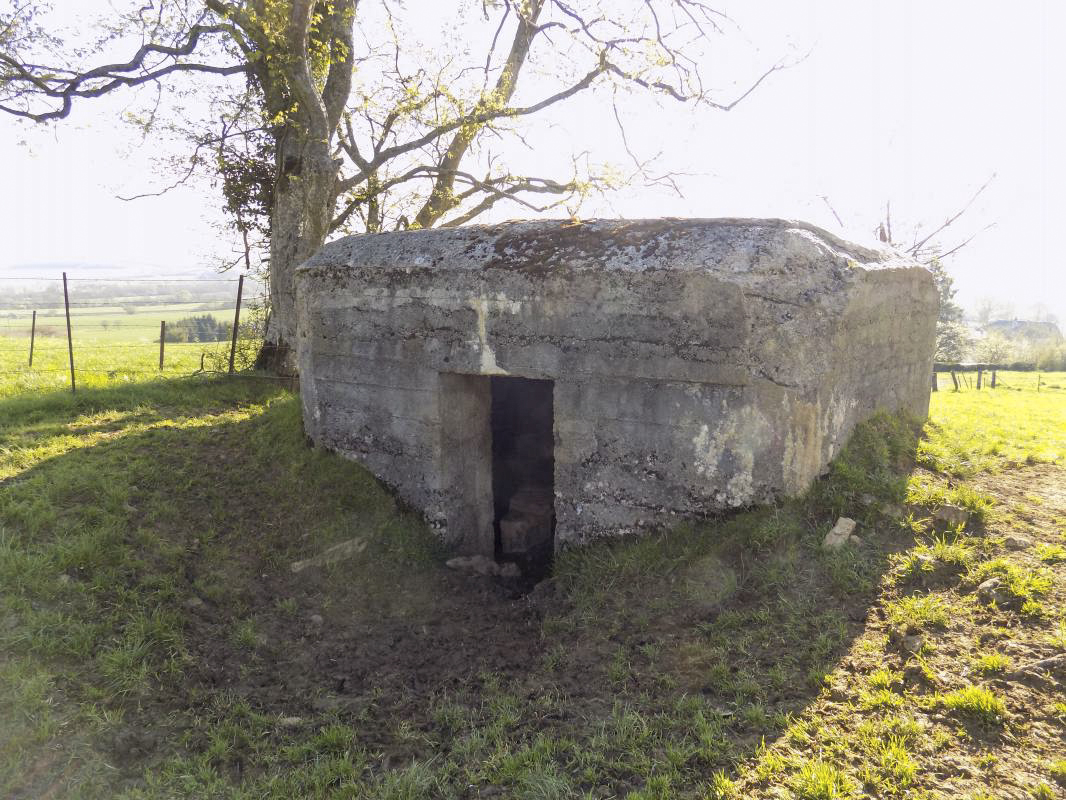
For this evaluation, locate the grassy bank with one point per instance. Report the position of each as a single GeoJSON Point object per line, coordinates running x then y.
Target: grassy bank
{"type": "Point", "coordinates": [154, 641]}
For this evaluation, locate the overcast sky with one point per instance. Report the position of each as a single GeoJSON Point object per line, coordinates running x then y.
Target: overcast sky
{"type": "Point", "coordinates": [916, 103]}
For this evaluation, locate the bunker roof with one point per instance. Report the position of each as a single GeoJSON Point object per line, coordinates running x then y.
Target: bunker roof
{"type": "Point", "coordinates": [726, 245]}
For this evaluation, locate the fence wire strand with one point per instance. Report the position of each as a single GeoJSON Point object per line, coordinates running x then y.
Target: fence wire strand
{"type": "Point", "coordinates": [38, 314]}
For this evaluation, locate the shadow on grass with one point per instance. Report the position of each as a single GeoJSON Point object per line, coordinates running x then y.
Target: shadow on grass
{"type": "Point", "coordinates": [146, 583]}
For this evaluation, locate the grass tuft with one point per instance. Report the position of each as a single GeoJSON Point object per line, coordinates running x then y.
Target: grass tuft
{"type": "Point", "coordinates": [977, 703]}
{"type": "Point", "coordinates": [820, 780]}
{"type": "Point", "coordinates": [918, 612]}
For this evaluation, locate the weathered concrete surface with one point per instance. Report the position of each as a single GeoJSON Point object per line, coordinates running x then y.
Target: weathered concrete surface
{"type": "Point", "coordinates": [698, 364]}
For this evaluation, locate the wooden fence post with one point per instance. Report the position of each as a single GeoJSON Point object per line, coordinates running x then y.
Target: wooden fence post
{"type": "Point", "coordinates": [162, 339]}
{"type": "Point", "coordinates": [70, 339]}
{"type": "Point", "coordinates": [236, 323]}
{"type": "Point", "coordinates": [935, 389]}
{"type": "Point", "coordinates": [980, 373]}
{"type": "Point", "coordinates": [33, 334]}
{"type": "Point", "coordinates": [954, 380]}
{"type": "Point", "coordinates": [993, 379]}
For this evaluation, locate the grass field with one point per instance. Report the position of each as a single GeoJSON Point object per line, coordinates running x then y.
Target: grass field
{"type": "Point", "coordinates": [154, 642]}
{"type": "Point", "coordinates": [110, 346]}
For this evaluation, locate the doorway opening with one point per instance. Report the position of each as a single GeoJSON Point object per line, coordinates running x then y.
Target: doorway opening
{"type": "Point", "coordinates": [523, 472]}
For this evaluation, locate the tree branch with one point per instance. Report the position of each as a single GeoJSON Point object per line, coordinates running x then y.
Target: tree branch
{"type": "Point", "coordinates": [916, 248]}
{"type": "Point", "coordinates": [440, 198]}
{"type": "Point", "coordinates": [65, 89]}
{"type": "Point", "coordinates": [339, 79]}
{"type": "Point", "coordinates": [298, 71]}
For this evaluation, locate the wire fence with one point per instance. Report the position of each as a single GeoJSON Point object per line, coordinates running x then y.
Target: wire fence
{"type": "Point", "coordinates": [70, 331]}
{"type": "Point", "coordinates": [958, 377]}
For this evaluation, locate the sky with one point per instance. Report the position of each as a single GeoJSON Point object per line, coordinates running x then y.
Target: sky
{"type": "Point", "coordinates": [913, 103]}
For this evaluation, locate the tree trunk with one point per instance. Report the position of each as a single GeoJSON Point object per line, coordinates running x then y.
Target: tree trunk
{"type": "Point", "coordinates": [304, 197]}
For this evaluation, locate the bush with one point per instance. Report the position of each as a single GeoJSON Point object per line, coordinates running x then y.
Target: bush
{"type": "Point", "coordinates": [204, 328]}
{"type": "Point", "coordinates": [994, 349]}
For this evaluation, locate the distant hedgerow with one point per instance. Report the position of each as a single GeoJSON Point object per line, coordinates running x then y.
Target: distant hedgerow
{"type": "Point", "coordinates": [203, 328]}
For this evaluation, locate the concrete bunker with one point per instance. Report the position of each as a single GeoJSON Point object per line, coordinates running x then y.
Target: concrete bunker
{"type": "Point", "coordinates": [537, 384]}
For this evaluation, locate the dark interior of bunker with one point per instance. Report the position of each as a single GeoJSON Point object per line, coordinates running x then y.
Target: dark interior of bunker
{"type": "Point", "coordinates": [523, 467]}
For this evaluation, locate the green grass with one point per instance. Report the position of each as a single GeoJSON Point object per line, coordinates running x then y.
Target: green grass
{"type": "Point", "coordinates": [977, 703]}
{"type": "Point", "coordinates": [819, 780]}
{"type": "Point", "coordinates": [725, 658]}
{"type": "Point", "coordinates": [914, 613]}
{"type": "Point", "coordinates": [1051, 553]}
{"type": "Point", "coordinates": [979, 431]}
{"type": "Point", "coordinates": [1021, 586]}
{"type": "Point", "coordinates": [1057, 770]}
{"type": "Point", "coordinates": [991, 664]}
{"type": "Point", "coordinates": [110, 346]}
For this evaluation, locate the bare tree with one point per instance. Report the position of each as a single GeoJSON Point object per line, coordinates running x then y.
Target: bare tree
{"type": "Point", "coordinates": [352, 127]}
{"type": "Point", "coordinates": [928, 246]}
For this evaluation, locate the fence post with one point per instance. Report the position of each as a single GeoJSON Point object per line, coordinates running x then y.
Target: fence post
{"type": "Point", "coordinates": [162, 339]}
{"type": "Point", "coordinates": [980, 373]}
{"type": "Point", "coordinates": [70, 339]}
{"type": "Point", "coordinates": [954, 380]}
{"type": "Point", "coordinates": [934, 381]}
{"type": "Point", "coordinates": [33, 334]}
{"type": "Point", "coordinates": [236, 322]}
{"type": "Point", "coordinates": [993, 379]}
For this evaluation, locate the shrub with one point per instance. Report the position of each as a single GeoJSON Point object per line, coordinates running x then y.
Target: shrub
{"type": "Point", "coordinates": [203, 328]}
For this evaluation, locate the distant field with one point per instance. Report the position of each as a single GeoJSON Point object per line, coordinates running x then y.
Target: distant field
{"type": "Point", "coordinates": [110, 345]}
{"type": "Point", "coordinates": [1014, 424]}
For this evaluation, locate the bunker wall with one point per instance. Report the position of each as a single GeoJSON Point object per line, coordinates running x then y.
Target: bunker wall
{"type": "Point", "coordinates": [677, 392]}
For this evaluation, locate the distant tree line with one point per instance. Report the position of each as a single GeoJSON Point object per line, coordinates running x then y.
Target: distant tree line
{"type": "Point", "coordinates": [130, 297]}
{"type": "Point", "coordinates": [204, 328]}
{"type": "Point", "coordinates": [1015, 343]}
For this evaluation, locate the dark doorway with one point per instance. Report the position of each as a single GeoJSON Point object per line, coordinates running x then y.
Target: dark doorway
{"type": "Point", "coordinates": [523, 470]}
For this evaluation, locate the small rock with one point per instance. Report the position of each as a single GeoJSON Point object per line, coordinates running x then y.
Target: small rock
{"type": "Point", "coordinates": [316, 620]}
{"type": "Point", "coordinates": [1016, 542]}
{"type": "Point", "coordinates": [338, 552]}
{"type": "Point", "coordinates": [509, 570]}
{"type": "Point", "coordinates": [290, 722]}
{"type": "Point", "coordinates": [987, 589]}
{"type": "Point", "coordinates": [854, 541]}
{"type": "Point", "coordinates": [912, 643]}
{"type": "Point", "coordinates": [481, 565]}
{"type": "Point", "coordinates": [64, 578]}
{"type": "Point", "coordinates": [838, 536]}
{"type": "Point", "coordinates": [952, 515]}
{"type": "Point", "coordinates": [192, 602]}
{"type": "Point", "coordinates": [894, 511]}
{"type": "Point", "coordinates": [867, 499]}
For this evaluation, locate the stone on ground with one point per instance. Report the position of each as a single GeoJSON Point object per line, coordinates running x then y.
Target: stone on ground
{"type": "Point", "coordinates": [839, 535]}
